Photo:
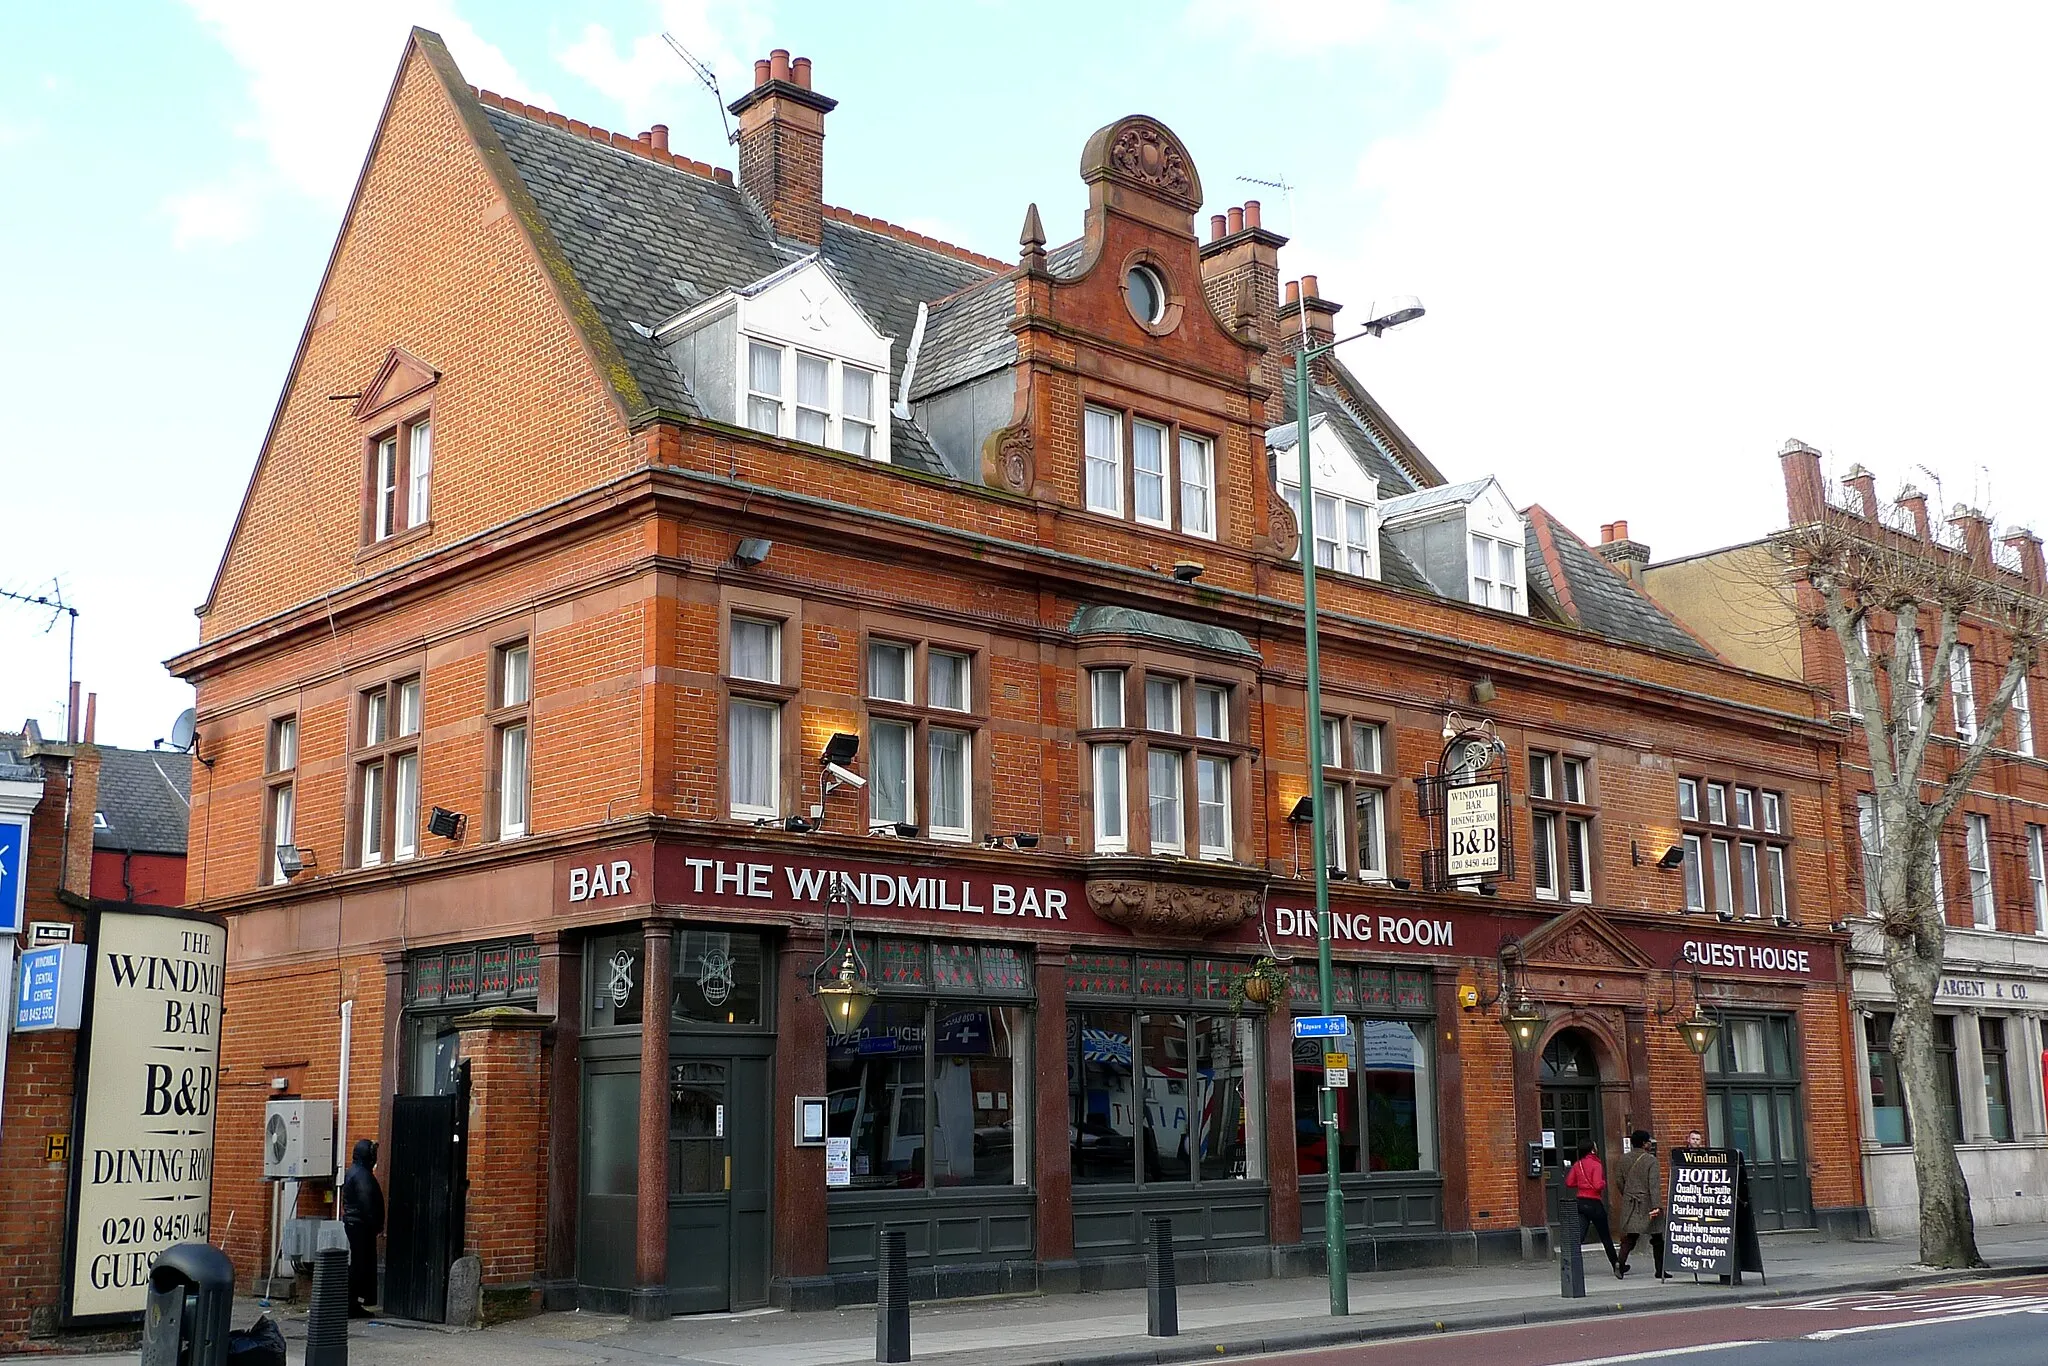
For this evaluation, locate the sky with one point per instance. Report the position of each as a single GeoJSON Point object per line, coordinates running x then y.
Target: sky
{"type": "Point", "coordinates": [1654, 240]}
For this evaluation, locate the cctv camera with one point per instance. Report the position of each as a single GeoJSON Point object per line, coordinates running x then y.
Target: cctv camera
{"type": "Point", "coordinates": [846, 776]}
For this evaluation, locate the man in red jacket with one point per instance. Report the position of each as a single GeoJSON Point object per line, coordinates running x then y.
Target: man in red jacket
{"type": "Point", "coordinates": [1587, 1180]}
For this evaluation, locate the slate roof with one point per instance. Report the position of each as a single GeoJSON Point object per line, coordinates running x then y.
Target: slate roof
{"type": "Point", "coordinates": [13, 768]}
{"type": "Point", "coordinates": [968, 335]}
{"type": "Point", "coordinates": [146, 798]}
{"type": "Point", "coordinates": [1591, 592]}
{"type": "Point", "coordinates": [1371, 451]}
{"type": "Point", "coordinates": [647, 241]}
{"type": "Point", "coordinates": [1395, 566]}
{"type": "Point", "coordinates": [1427, 500]}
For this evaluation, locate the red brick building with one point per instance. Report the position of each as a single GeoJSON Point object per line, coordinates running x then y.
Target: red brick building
{"type": "Point", "coordinates": [656, 485]}
{"type": "Point", "coordinates": [1990, 866]}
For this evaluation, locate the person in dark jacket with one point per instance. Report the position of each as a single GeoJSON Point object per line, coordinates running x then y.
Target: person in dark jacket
{"type": "Point", "coordinates": [362, 1218]}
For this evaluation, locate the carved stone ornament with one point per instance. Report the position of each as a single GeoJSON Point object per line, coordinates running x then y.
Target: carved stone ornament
{"type": "Point", "coordinates": [1164, 906]}
{"type": "Point", "coordinates": [1008, 460]}
{"type": "Point", "coordinates": [1286, 532]}
{"type": "Point", "coordinates": [1581, 947]}
{"type": "Point", "coordinates": [1145, 151]}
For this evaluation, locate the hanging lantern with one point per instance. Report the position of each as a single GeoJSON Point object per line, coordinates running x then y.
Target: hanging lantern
{"type": "Point", "coordinates": [846, 994]}
{"type": "Point", "coordinates": [1700, 1031]}
{"type": "Point", "coordinates": [1524, 1024]}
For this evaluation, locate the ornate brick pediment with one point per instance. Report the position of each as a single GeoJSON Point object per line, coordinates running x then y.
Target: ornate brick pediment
{"type": "Point", "coordinates": [1144, 154]}
{"type": "Point", "coordinates": [399, 376]}
{"type": "Point", "coordinates": [1148, 900]}
{"type": "Point", "coordinates": [1582, 938]}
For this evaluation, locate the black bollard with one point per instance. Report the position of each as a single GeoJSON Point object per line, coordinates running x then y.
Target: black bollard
{"type": "Point", "coordinates": [327, 1314]}
{"type": "Point", "coordinates": [892, 1297]}
{"type": "Point", "coordinates": [1162, 1295]}
{"type": "Point", "coordinates": [1571, 1262]}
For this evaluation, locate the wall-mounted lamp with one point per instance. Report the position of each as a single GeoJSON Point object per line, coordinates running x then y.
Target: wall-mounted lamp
{"type": "Point", "coordinates": [1187, 571]}
{"type": "Point", "coordinates": [1521, 1017]}
{"type": "Point", "coordinates": [751, 552]}
{"type": "Point", "coordinates": [293, 859]}
{"type": "Point", "coordinates": [1483, 691]}
{"type": "Point", "coordinates": [1699, 1029]}
{"type": "Point", "coordinates": [842, 991]}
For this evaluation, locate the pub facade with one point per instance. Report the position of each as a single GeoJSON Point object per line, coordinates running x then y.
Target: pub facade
{"type": "Point", "coordinates": [713, 599]}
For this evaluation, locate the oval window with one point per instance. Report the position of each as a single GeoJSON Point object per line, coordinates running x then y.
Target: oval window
{"type": "Point", "coordinates": [1146, 293]}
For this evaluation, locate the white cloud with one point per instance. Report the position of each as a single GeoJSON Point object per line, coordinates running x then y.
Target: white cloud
{"type": "Point", "coordinates": [651, 84]}
{"type": "Point", "coordinates": [1655, 242]}
{"type": "Point", "coordinates": [211, 215]}
{"type": "Point", "coordinates": [318, 78]}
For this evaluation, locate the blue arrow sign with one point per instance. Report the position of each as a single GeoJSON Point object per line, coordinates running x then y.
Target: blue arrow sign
{"type": "Point", "coordinates": [13, 872]}
{"type": "Point", "coordinates": [1321, 1027]}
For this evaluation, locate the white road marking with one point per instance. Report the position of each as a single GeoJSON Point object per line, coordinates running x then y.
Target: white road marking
{"type": "Point", "coordinates": [1663, 1353]}
{"type": "Point", "coordinates": [2016, 1307]}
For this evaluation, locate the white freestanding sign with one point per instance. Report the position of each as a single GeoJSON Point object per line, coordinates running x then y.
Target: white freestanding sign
{"type": "Point", "coordinates": [142, 1155]}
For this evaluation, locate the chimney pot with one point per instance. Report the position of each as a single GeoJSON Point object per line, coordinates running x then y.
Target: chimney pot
{"type": "Point", "coordinates": [1216, 225]}
{"type": "Point", "coordinates": [1235, 218]}
{"type": "Point", "coordinates": [1308, 287]}
{"type": "Point", "coordinates": [761, 72]}
{"type": "Point", "coordinates": [1620, 530]}
{"type": "Point", "coordinates": [1251, 213]}
{"type": "Point", "coordinates": [660, 135]}
{"type": "Point", "coordinates": [646, 139]}
{"type": "Point", "coordinates": [800, 72]}
{"type": "Point", "coordinates": [92, 708]}
{"type": "Point", "coordinates": [778, 64]}
{"type": "Point", "coordinates": [1293, 291]}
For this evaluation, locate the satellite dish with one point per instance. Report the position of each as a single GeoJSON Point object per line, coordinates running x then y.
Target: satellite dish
{"type": "Point", "coordinates": [184, 730]}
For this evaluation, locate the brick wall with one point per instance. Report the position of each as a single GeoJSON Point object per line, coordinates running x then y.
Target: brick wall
{"type": "Point", "coordinates": [508, 1120]}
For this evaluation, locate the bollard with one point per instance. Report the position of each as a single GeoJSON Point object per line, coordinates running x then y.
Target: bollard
{"type": "Point", "coordinates": [186, 1317]}
{"type": "Point", "coordinates": [1162, 1307]}
{"type": "Point", "coordinates": [327, 1313]}
{"type": "Point", "coordinates": [1571, 1263]}
{"type": "Point", "coordinates": [892, 1297]}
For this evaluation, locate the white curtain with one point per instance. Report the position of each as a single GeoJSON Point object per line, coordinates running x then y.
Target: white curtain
{"type": "Point", "coordinates": [889, 772]}
{"type": "Point", "coordinates": [754, 757]}
{"type": "Point", "coordinates": [949, 750]}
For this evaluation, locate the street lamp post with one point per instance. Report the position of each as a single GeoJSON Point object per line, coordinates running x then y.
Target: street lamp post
{"type": "Point", "coordinates": [1400, 310]}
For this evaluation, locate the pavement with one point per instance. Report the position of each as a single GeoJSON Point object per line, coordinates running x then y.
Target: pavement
{"type": "Point", "coordinates": [1107, 1328]}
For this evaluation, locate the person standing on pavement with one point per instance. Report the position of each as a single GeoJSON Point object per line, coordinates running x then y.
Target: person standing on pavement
{"type": "Point", "coordinates": [1586, 1179]}
{"type": "Point", "coordinates": [1642, 1209]}
{"type": "Point", "coordinates": [362, 1218]}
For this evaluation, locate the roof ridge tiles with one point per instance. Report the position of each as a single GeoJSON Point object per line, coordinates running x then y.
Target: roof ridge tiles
{"type": "Point", "coordinates": [591, 132]}
{"type": "Point", "coordinates": [915, 238]}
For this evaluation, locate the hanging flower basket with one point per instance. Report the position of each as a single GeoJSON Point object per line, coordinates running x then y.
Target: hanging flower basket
{"type": "Point", "coordinates": [1265, 986]}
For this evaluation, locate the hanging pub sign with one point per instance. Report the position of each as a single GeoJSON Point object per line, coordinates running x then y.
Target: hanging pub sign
{"type": "Point", "coordinates": [1472, 844]}
{"type": "Point", "coordinates": [148, 1080]}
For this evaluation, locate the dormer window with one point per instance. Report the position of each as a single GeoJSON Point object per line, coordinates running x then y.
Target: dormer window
{"type": "Point", "coordinates": [819, 400]}
{"type": "Point", "coordinates": [1346, 532]}
{"type": "Point", "coordinates": [1496, 573]}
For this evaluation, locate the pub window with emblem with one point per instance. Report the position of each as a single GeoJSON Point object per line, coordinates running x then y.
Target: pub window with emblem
{"type": "Point", "coordinates": [1737, 844]}
{"type": "Point", "coordinates": [718, 979]}
{"type": "Point", "coordinates": [934, 1088]}
{"type": "Point", "coordinates": [1163, 1074]}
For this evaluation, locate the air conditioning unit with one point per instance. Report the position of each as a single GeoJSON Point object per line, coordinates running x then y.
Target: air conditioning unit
{"type": "Point", "coordinates": [298, 1138]}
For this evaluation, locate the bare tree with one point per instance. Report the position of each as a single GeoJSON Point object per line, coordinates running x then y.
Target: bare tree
{"type": "Point", "coordinates": [1861, 577]}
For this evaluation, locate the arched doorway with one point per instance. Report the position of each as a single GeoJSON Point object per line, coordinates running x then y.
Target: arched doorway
{"type": "Point", "coordinates": [1568, 1081]}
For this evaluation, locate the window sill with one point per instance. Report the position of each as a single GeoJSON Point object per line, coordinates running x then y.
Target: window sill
{"type": "Point", "coordinates": [395, 541]}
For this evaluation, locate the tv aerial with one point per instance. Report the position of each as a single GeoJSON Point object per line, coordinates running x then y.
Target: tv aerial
{"type": "Point", "coordinates": [710, 82]}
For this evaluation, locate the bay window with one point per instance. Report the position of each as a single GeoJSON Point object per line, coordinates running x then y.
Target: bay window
{"type": "Point", "coordinates": [1183, 746]}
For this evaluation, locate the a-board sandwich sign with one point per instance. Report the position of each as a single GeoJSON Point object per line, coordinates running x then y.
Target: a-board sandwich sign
{"type": "Point", "coordinates": [1709, 1230]}
{"type": "Point", "coordinates": [148, 1086]}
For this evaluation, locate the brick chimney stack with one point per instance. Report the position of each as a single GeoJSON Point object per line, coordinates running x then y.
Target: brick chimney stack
{"type": "Point", "coordinates": [1862, 486]}
{"type": "Point", "coordinates": [1974, 528]}
{"type": "Point", "coordinates": [1630, 557]}
{"type": "Point", "coordinates": [1915, 504]}
{"type": "Point", "coordinates": [782, 147]}
{"type": "Point", "coordinates": [1305, 300]}
{"type": "Point", "coordinates": [2027, 546]}
{"type": "Point", "coordinates": [1241, 249]}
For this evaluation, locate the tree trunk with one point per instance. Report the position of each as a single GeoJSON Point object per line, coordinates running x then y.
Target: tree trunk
{"type": "Point", "coordinates": [1948, 1234]}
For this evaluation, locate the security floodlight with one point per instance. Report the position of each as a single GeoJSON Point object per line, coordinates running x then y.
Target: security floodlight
{"type": "Point", "coordinates": [445, 823]}
{"type": "Point", "coordinates": [797, 825]}
{"type": "Point", "coordinates": [751, 552]}
{"type": "Point", "coordinates": [1671, 857]}
{"type": "Point", "coordinates": [1402, 308]}
{"type": "Point", "coordinates": [1187, 571]}
{"type": "Point", "coordinates": [1725, 917]}
{"type": "Point", "coordinates": [1303, 812]}
{"type": "Point", "coordinates": [293, 860]}
{"type": "Point", "coordinates": [1025, 840]}
{"type": "Point", "coordinates": [840, 749]}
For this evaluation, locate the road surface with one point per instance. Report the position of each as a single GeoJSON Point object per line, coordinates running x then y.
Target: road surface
{"type": "Point", "coordinates": [1976, 1323]}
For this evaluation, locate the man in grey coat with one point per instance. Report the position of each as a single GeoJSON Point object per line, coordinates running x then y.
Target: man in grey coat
{"type": "Point", "coordinates": [1642, 1200]}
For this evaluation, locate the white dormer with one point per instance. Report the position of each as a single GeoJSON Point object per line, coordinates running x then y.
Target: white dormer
{"type": "Point", "coordinates": [791, 355]}
{"type": "Point", "coordinates": [1347, 530]}
{"type": "Point", "coordinates": [1467, 539]}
